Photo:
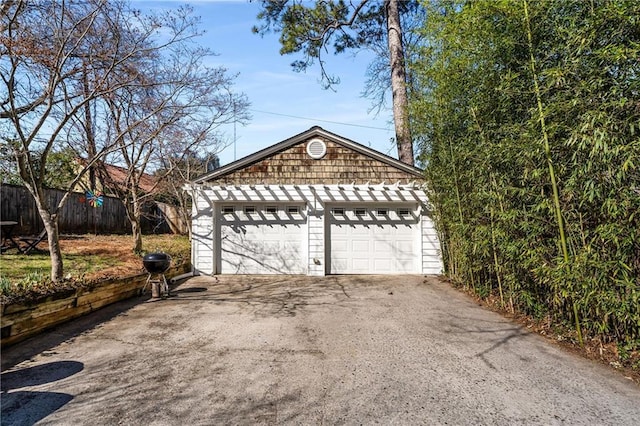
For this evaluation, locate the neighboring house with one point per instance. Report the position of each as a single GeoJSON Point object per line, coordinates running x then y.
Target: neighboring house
{"type": "Point", "coordinates": [112, 180]}
{"type": "Point", "coordinates": [115, 176]}
{"type": "Point", "coordinates": [314, 204]}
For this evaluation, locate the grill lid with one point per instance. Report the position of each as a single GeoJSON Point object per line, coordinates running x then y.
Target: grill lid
{"type": "Point", "coordinates": [156, 263]}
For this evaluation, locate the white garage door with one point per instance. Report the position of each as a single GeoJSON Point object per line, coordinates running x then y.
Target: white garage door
{"type": "Point", "coordinates": [262, 239]}
{"type": "Point", "coordinates": [374, 240]}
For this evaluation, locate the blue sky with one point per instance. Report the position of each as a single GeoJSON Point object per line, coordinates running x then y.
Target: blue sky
{"type": "Point", "coordinates": [277, 93]}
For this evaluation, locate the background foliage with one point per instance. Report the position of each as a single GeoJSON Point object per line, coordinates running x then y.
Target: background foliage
{"type": "Point", "coordinates": [499, 82]}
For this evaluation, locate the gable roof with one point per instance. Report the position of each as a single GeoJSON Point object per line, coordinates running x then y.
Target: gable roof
{"type": "Point", "coordinates": [116, 176]}
{"type": "Point", "coordinates": [113, 178]}
{"type": "Point", "coordinates": [315, 131]}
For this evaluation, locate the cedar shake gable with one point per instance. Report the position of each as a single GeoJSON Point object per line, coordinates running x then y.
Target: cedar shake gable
{"type": "Point", "coordinates": [288, 163]}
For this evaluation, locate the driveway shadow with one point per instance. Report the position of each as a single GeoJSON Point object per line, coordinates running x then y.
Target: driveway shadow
{"type": "Point", "coordinates": [39, 374]}
{"type": "Point", "coordinates": [498, 333]}
{"type": "Point", "coordinates": [28, 407]}
{"type": "Point", "coordinates": [265, 296]}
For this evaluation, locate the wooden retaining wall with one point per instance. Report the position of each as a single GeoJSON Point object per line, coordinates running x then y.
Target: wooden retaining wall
{"type": "Point", "coordinates": [21, 321]}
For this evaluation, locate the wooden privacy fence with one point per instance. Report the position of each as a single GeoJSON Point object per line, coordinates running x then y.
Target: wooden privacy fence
{"type": "Point", "coordinates": [77, 215]}
{"type": "Point", "coordinates": [172, 217]}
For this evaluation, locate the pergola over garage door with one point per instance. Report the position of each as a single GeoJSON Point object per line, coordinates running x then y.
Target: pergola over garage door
{"type": "Point", "coordinates": [262, 239]}
{"type": "Point", "coordinates": [373, 239]}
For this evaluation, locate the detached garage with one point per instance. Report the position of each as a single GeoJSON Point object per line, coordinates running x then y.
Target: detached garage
{"type": "Point", "coordinates": [314, 204]}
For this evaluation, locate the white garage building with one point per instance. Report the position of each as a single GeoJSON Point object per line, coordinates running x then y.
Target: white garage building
{"type": "Point", "coordinates": [314, 204]}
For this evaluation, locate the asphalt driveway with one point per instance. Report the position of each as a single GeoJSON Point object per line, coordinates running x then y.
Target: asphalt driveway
{"type": "Point", "coordinates": [302, 350]}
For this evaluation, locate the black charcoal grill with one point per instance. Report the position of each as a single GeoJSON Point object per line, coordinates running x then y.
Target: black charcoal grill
{"type": "Point", "coordinates": [157, 264]}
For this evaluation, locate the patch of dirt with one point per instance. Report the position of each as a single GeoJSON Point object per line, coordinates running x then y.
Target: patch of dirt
{"type": "Point", "coordinates": [593, 349]}
{"type": "Point", "coordinates": [119, 247]}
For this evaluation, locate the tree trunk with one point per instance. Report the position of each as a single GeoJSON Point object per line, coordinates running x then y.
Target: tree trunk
{"type": "Point", "coordinates": [55, 253]}
{"type": "Point", "coordinates": [50, 222]}
{"type": "Point", "coordinates": [399, 83]}
{"type": "Point", "coordinates": [133, 212]}
{"type": "Point", "coordinates": [184, 210]}
{"type": "Point", "coordinates": [88, 127]}
{"type": "Point", "coordinates": [133, 215]}
{"type": "Point", "coordinates": [137, 234]}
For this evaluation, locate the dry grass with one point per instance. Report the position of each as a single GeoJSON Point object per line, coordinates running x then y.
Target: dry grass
{"type": "Point", "coordinates": [86, 258]}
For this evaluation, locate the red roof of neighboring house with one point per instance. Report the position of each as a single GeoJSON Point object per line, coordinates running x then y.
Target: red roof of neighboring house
{"type": "Point", "coordinates": [116, 175]}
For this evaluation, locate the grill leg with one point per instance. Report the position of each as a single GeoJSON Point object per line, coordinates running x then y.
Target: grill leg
{"type": "Point", "coordinates": [145, 285]}
{"type": "Point", "coordinates": [165, 287]}
{"type": "Point", "coordinates": [159, 286]}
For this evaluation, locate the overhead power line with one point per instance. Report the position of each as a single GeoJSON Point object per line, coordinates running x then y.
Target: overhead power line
{"type": "Point", "coordinates": [316, 119]}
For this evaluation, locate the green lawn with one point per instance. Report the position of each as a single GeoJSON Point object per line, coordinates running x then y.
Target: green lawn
{"type": "Point", "coordinates": [17, 267]}
{"type": "Point", "coordinates": [86, 258]}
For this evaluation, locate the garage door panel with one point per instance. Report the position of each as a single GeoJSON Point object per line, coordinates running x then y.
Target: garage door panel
{"type": "Point", "coordinates": [404, 246]}
{"type": "Point", "coordinates": [360, 265]}
{"type": "Point", "coordinates": [290, 248]}
{"type": "Point", "coordinates": [383, 229]}
{"type": "Point", "coordinates": [382, 266]}
{"type": "Point", "coordinates": [271, 230]}
{"type": "Point", "coordinates": [382, 247]}
{"type": "Point", "coordinates": [270, 247]}
{"type": "Point", "coordinates": [339, 265]}
{"type": "Point", "coordinates": [340, 246]}
{"type": "Point", "coordinates": [359, 246]}
{"type": "Point", "coordinates": [249, 257]}
{"type": "Point", "coordinates": [404, 265]}
{"type": "Point", "coordinates": [341, 230]}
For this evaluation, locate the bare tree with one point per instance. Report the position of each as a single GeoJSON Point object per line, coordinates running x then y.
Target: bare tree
{"type": "Point", "coordinates": [175, 109]}
{"type": "Point", "coordinates": [57, 58]}
{"type": "Point", "coordinates": [178, 170]}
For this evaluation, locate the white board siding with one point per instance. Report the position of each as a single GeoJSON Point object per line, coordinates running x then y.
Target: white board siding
{"type": "Point", "coordinates": [203, 237]}
{"type": "Point", "coordinates": [316, 243]}
{"type": "Point", "coordinates": [431, 255]}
